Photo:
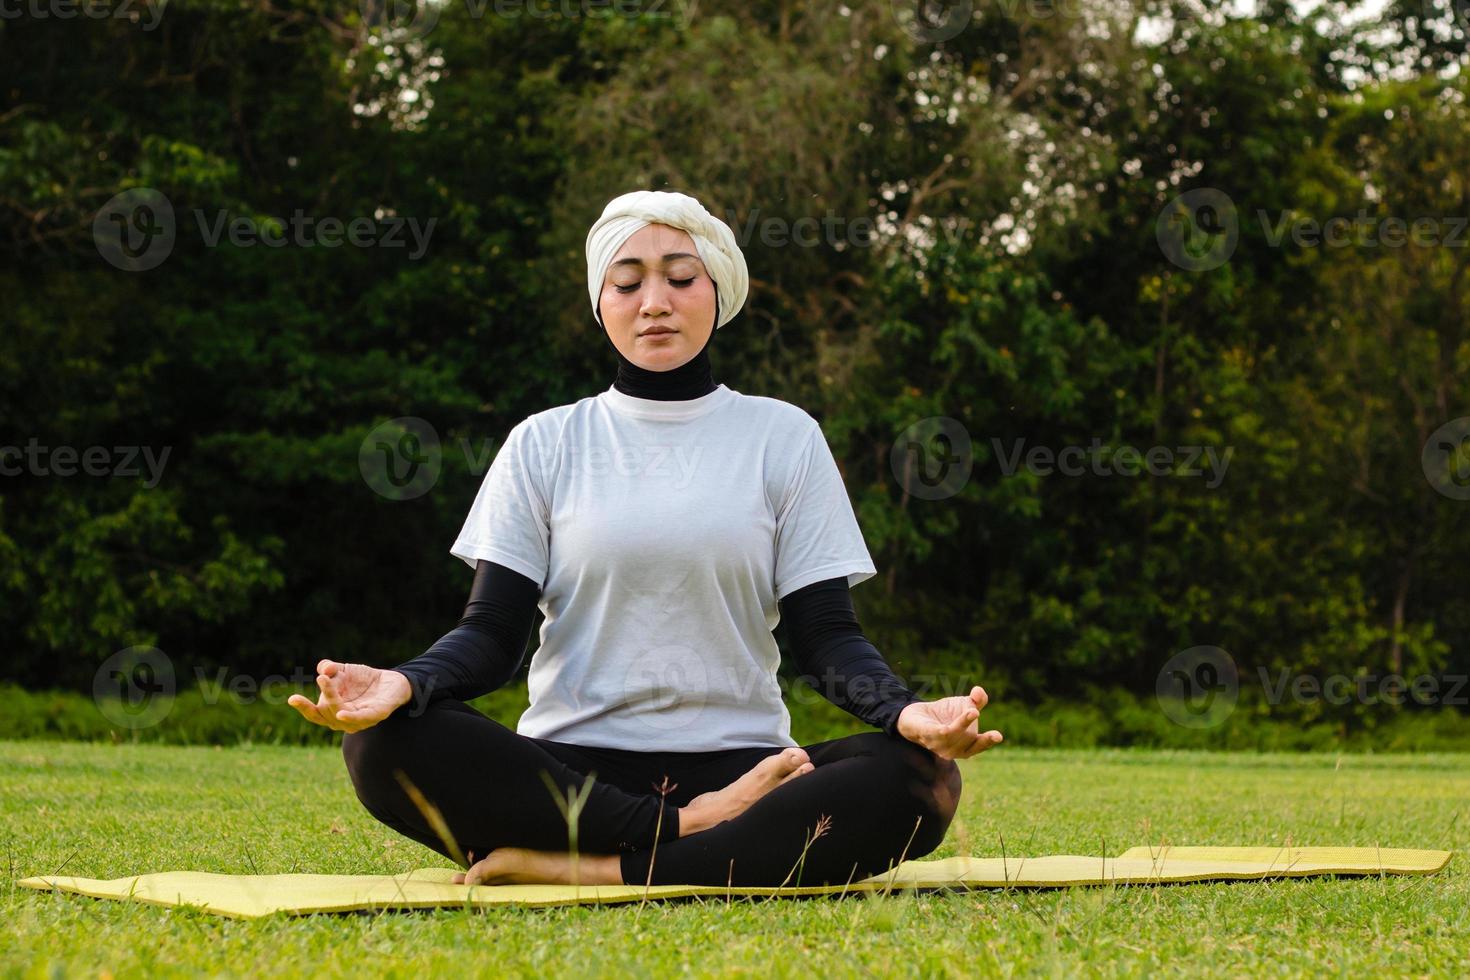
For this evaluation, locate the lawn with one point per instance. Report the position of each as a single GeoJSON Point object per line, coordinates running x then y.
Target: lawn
{"type": "Point", "coordinates": [112, 810]}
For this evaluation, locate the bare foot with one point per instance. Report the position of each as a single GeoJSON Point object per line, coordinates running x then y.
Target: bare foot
{"type": "Point", "coordinates": [708, 809]}
{"type": "Point", "coordinates": [523, 866]}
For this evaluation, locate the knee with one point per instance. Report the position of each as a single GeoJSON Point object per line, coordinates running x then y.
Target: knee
{"type": "Point", "coordinates": [371, 756]}
{"type": "Point", "coordinates": [946, 788]}
{"type": "Point", "coordinates": [929, 786]}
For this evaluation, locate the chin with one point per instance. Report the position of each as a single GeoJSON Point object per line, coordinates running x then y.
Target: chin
{"type": "Point", "coordinates": [666, 363]}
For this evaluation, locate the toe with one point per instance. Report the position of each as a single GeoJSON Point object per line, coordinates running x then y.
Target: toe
{"type": "Point", "coordinates": [800, 770]}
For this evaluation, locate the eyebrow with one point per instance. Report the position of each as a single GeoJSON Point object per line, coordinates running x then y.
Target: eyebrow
{"type": "Point", "coordinates": [671, 256]}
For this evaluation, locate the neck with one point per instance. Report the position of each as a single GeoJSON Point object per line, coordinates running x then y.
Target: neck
{"type": "Point", "coordinates": [691, 380]}
{"type": "Point", "coordinates": [686, 381]}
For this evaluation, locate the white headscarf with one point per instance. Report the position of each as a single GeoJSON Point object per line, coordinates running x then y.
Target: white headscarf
{"type": "Point", "coordinates": [713, 240]}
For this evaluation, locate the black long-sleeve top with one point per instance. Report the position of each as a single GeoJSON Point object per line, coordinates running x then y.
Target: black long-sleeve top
{"type": "Point", "coordinates": [486, 647]}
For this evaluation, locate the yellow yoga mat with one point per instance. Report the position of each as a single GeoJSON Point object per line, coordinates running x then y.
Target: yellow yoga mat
{"type": "Point", "coordinates": [251, 896]}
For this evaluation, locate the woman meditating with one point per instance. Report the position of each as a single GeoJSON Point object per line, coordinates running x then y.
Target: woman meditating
{"type": "Point", "coordinates": [663, 527]}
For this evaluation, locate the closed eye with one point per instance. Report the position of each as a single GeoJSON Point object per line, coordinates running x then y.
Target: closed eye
{"type": "Point", "coordinates": [681, 283]}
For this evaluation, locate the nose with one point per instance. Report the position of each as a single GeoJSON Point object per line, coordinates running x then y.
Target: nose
{"type": "Point", "coordinates": [656, 298]}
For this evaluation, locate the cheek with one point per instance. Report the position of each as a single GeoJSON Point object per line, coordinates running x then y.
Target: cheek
{"type": "Point", "coordinates": [614, 303]}
{"type": "Point", "coordinates": [703, 292]}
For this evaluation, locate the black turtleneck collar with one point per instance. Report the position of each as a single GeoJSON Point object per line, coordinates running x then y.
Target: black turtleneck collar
{"type": "Point", "coordinates": [691, 380]}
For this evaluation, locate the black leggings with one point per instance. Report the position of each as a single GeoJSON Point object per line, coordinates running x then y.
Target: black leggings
{"type": "Point", "coordinates": [884, 798]}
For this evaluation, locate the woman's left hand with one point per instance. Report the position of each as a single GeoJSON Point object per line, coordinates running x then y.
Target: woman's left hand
{"type": "Point", "coordinates": [949, 727]}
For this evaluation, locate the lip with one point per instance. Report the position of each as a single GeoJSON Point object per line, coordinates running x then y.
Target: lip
{"type": "Point", "coordinates": [657, 332]}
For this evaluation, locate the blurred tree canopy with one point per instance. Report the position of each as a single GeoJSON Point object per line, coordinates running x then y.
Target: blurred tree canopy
{"type": "Point", "coordinates": [992, 253]}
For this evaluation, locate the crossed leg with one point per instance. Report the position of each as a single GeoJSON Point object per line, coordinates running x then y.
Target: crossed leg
{"type": "Point", "coordinates": [865, 802]}
{"type": "Point", "coordinates": [870, 802]}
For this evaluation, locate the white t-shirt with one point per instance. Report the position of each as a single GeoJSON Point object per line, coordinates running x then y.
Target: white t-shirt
{"type": "Point", "coordinates": [662, 534]}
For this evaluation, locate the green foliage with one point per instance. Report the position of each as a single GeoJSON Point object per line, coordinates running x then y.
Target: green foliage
{"type": "Point", "coordinates": [1011, 179]}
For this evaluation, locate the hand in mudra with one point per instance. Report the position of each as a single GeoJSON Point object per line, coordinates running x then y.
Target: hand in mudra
{"type": "Point", "coordinates": [949, 727]}
{"type": "Point", "coordinates": [354, 696]}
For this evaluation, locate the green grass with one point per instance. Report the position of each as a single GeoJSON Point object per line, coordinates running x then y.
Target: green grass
{"type": "Point", "coordinates": [112, 810]}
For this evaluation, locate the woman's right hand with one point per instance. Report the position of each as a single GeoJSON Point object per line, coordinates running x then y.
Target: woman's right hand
{"type": "Point", "coordinates": [354, 696]}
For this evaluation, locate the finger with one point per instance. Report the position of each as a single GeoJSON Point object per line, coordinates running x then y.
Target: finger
{"type": "Point", "coordinates": [328, 687]}
{"type": "Point", "coordinates": [978, 695]}
{"type": "Point", "coordinates": [963, 750]}
{"type": "Point", "coordinates": [963, 720]}
{"type": "Point", "coordinates": [307, 710]}
{"type": "Point", "coordinates": [459, 878]}
{"type": "Point", "coordinates": [988, 740]}
{"type": "Point", "coordinates": [327, 667]}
